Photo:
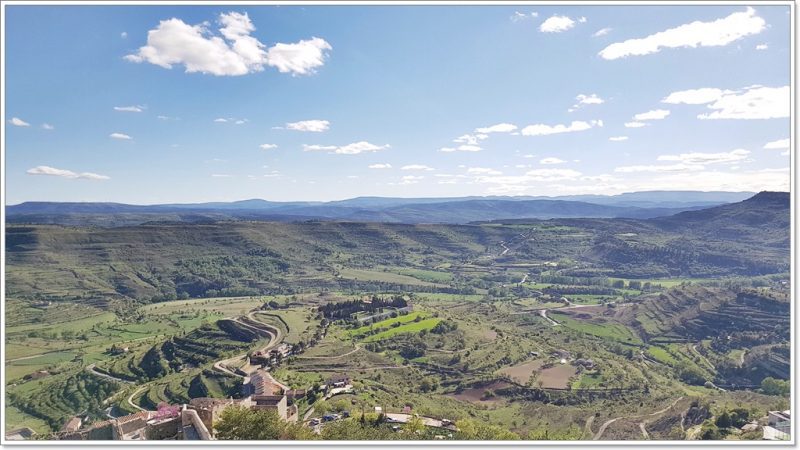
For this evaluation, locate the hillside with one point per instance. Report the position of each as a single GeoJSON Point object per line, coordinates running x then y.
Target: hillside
{"type": "Point", "coordinates": [246, 258]}
{"type": "Point", "coordinates": [374, 209]}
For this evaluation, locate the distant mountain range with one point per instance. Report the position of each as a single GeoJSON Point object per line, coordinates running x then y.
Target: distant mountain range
{"type": "Point", "coordinates": [639, 205]}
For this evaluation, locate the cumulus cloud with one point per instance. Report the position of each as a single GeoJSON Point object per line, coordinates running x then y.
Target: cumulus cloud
{"type": "Point", "coordinates": [417, 167]}
{"type": "Point", "coordinates": [556, 24]}
{"type": "Point", "coordinates": [267, 146]}
{"type": "Point", "coordinates": [762, 47]}
{"type": "Point", "coordinates": [300, 58]}
{"type": "Point", "coordinates": [52, 171]}
{"type": "Point", "coordinates": [602, 32]}
{"type": "Point", "coordinates": [656, 114]}
{"type": "Point", "coordinates": [780, 144]}
{"type": "Point", "coordinates": [471, 139]}
{"type": "Point", "coordinates": [17, 122]}
{"type": "Point", "coordinates": [634, 124]}
{"type": "Point", "coordinates": [314, 126]}
{"type": "Point", "coordinates": [752, 102]}
{"type": "Point", "coordinates": [551, 160]}
{"type": "Point", "coordinates": [380, 166]}
{"type": "Point", "coordinates": [697, 158]}
{"type": "Point", "coordinates": [132, 108]}
{"type": "Point", "coordinates": [576, 125]}
{"type": "Point", "coordinates": [583, 100]}
{"type": "Point", "coordinates": [717, 33]}
{"type": "Point", "coordinates": [230, 51]}
{"type": "Point", "coordinates": [120, 136]}
{"type": "Point", "coordinates": [349, 149]}
{"type": "Point", "coordinates": [498, 128]}
{"type": "Point", "coordinates": [618, 138]}
{"type": "Point", "coordinates": [48, 127]}
{"type": "Point", "coordinates": [123, 35]}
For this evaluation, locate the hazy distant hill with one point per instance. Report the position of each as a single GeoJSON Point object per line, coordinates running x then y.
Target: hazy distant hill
{"type": "Point", "coordinates": [377, 209]}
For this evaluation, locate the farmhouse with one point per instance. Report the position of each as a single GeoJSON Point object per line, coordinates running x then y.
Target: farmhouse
{"type": "Point", "coordinates": [338, 381]}
{"type": "Point", "coordinates": [73, 424]}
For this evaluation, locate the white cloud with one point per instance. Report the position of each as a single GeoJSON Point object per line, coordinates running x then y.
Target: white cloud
{"type": "Point", "coordinates": [471, 139]}
{"type": "Point", "coordinates": [52, 171]}
{"type": "Point", "coordinates": [461, 148]}
{"type": "Point", "coordinates": [656, 114]}
{"type": "Point", "coordinates": [659, 168]}
{"type": "Point", "coordinates": [233, 51]}
{"type": "Point", "coordinates": [483, 171]}
{"type": "Point", "coordinates": [498, 128]}
{"type": "Point", "coordinates": [221, 175]}
{"type": "Point", "coordinates": [220, 120]}
{"type": "Point", "coordinates": [618, 138]}
{"type": "Point", "coordinates": [551, 160]}
{"type": "Point", "coordinates": [591, 99]}
{"type": "Point", "coordinates": [349, 149]}
{"type": "Point", "coordinates": [17, 122]}
{"type": "Point", "coordinates": [552, 174]}
{"type": "Point", "coordinates": [556, 24]}
{"type": "Point", "coordinates": [123, 35]}
{"type": "Point", "coordinates": [121, 136]}
{"type": "Point", "coordinates": [314, 126]}
{"type": "Point", "coordinates": [520, 16]}
{"type": "Point", "coordinates": [317, 148]}
{"type": "Point", "coordinates": [762, 47]}
{"type": "Point", "coordinates": [132, 108]}
{"type": "Point", "coordinates": [48, 127]}
{"type": "Point", "coordinates": [752, 102]}
{"type": "Point", "coordinates": [380, 166]}
{"type": "Point", "coordinates": [780, 144]}
{"type": "Point", "coordinates": [696, 34]}
{"type": "Point", "coordinates": [576, 125]}
{"type": "Point", "coordinates": [754, 180]}
{"type": "Point", "coordinates": [697, 158]}
{"type": "Point", "coordinates": [241, 121]}
{"type": "Point", "coordinates": [634, 124]}
{"type": "Point", "coordinates": [267, 146]}
{"type": "Point", "coordinates": [602, 32]}
{"type": "Point", "coordinates": [695, 96]}
{"type": "Point", "coordinates": [301, 58]}
{"type": "Point", "coordinates": [411, 179]}
{"type": "Point", "coordinates": [417, 167]}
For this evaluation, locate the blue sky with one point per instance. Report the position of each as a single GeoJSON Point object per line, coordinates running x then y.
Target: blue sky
{"type": "Point", "coordinates": [546, 100]}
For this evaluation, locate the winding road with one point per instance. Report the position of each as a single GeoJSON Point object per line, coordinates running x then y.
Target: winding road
{"type": "Point", "coordinates": [641, 425]}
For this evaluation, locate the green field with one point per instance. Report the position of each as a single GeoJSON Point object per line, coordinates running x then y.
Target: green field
{"type": "Point", "coordinates": [411, 327]}
{"type": "Point", "coordinates": [385, 277]}
{"type": "Point", "coordinates": [388, 323]}
{"type": "Point", "coordinates": [612, 331]}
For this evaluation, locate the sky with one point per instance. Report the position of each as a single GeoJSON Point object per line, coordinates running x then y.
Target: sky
{"type": "Point", "coordinates": [164, 104]}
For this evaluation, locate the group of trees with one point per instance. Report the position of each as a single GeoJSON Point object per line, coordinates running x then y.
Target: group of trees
{"type": "Point", "coordinates": [237, 423]}
{"type": "Point", "coordinates": [343, 310]}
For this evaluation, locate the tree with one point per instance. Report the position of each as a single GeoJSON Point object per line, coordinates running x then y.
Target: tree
{"type": "Point", "coordinates": [724, 420]}
{"type": "Point", "coordinates": [415, 425]}
{"type": "Point", "coordinates": [773, 386]}
{"type": "Point", "coordinates": [471, 430]}
{"type": "Point", "coordinates": [237, 423]}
